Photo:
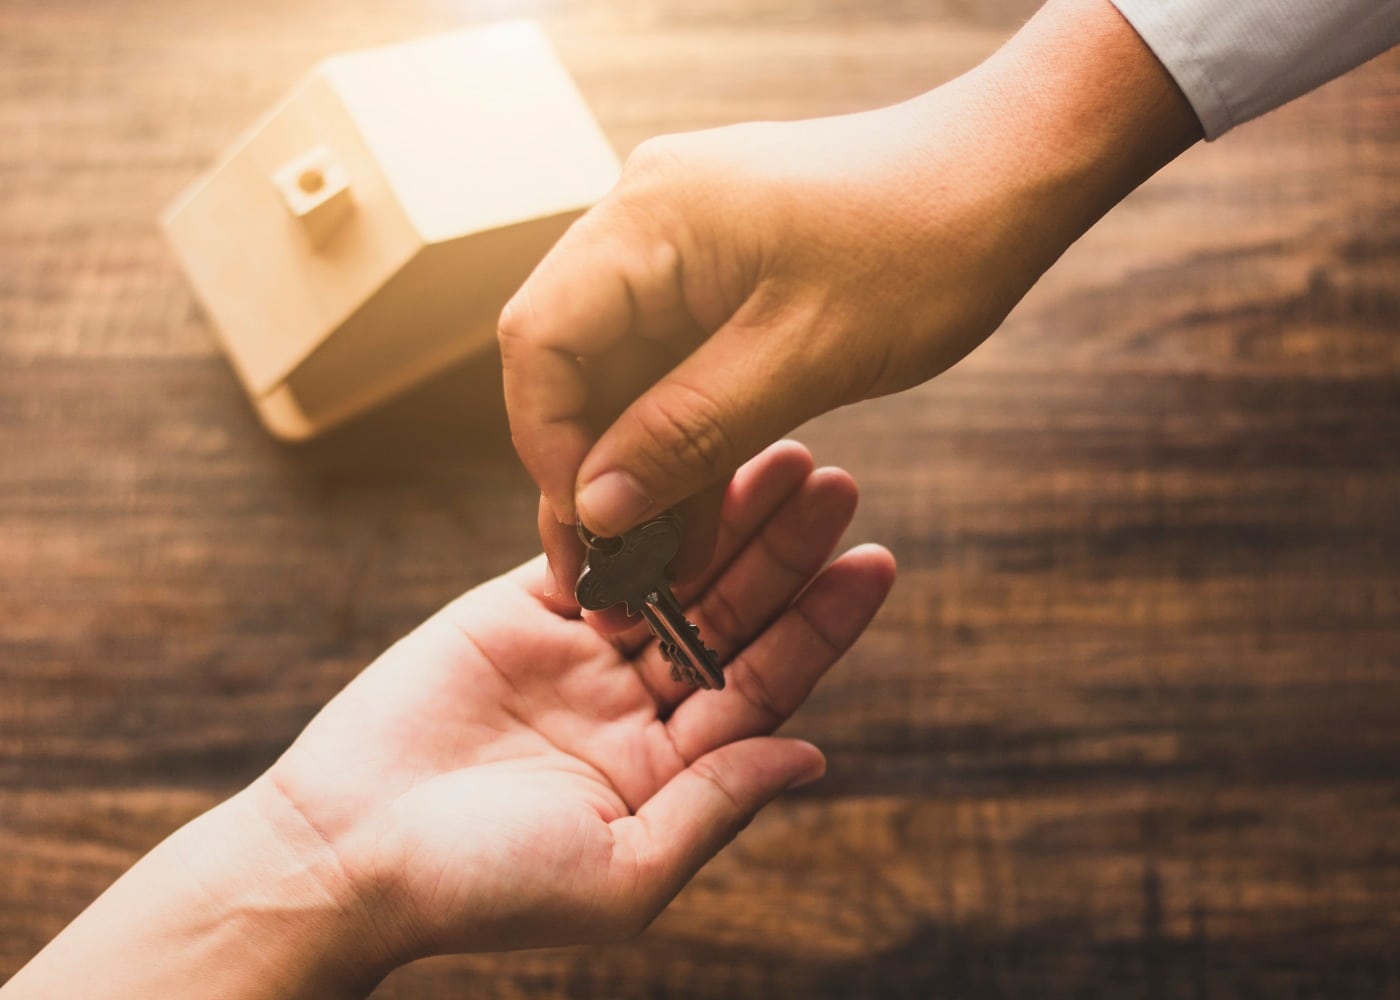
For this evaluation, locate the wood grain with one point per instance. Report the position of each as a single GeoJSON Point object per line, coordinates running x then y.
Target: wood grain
{"type": "Point", "coordinates": [1127, 725]}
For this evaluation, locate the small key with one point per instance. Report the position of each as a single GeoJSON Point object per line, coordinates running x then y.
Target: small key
{"type": "Point", "coordinates": [634, 569]}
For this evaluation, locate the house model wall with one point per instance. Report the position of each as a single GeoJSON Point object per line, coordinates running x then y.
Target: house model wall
{"type": "Point", "coordinates": [367, 232]}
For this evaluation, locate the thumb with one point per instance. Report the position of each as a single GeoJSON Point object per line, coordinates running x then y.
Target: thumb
{"type": "Point", "coordinates": [735, 395]}
{"type": "Point", "coordinates": [704, 807]}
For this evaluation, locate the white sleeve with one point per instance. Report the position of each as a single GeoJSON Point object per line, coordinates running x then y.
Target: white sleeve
{"type": "Point", "coordinates": [1236, 59]}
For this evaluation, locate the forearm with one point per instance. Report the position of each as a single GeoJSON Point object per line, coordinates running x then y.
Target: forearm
{"type": "Point", "coordinates": [237, 904]}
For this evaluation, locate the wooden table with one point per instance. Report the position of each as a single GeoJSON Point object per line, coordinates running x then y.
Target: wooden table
{"type": "Point", "coordinates": [1128, 726]}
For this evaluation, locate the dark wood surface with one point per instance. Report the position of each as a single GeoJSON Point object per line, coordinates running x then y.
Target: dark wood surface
{"type": "Point", "coordinates": [1129, 725]}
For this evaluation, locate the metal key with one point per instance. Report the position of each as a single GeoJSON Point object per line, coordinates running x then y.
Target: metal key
{"type": "Point", "coordinates": [634, 569]}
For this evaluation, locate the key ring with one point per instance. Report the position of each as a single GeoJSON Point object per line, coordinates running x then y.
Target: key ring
{"type": "Point", "coordinates": [607, 544]}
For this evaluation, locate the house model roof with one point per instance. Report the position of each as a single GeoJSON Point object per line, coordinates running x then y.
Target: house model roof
{"type": "Point", "coordinates": [494, 131]}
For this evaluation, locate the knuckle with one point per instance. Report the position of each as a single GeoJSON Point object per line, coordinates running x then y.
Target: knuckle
{"type": "Point", "coordinates": [688, 433]}
{"type": "Point", "coordinates": [706, 771]}
{"type": "Point", "coordinates": [661, 257]}
{"type": "Point", "coordinates": [785, 552]}
{"type": "Point", "coordinates": [723, 616]}
{"type": "Point", "coordinates": [513, 328]}
{"type": "Point", "coordinates": [652, 156]}
{"type": "Point", "coordinates": [749, 683]}
{"type": "Point", "coordinates": [833, 647]}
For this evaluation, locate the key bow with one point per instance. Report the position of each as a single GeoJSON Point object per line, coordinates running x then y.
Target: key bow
{"type": "Point", "coordinates": [621, 577]}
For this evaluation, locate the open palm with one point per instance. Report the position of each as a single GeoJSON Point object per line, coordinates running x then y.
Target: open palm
{"type": "Point", "coordinates": [506, 776]}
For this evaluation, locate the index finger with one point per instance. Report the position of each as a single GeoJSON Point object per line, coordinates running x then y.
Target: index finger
{"type": "Point", "coordinates": [575, 304]}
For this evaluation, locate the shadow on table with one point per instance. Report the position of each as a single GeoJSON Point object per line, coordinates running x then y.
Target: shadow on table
{"type": "Point", "coordinates": [459, 413]}
{"type": "Point", "coordinates": [1063, 959]}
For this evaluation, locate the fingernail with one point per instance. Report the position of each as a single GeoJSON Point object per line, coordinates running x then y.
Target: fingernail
{"type": "Point", "coordinates": [556, 512]}
{"type": "Point", "coordinates": [613, 502]}
{"type": "Point", "coordinates": [551, 585]}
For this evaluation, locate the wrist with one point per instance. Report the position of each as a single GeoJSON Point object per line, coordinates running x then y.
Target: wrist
{"type": "Point", "coordinates": [238, 903]}
{"type": "Point", "coordinates": [1094, 100]}
{"type": "Point", "coordinates": [1072, 114]}
{"type": "Point", "coordinates": [282, 886]}
{"type": "Point", "coordinates": [254, 891]}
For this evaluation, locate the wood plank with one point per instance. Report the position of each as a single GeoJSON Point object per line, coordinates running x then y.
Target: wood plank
{"type": "Point", "coordinates": [1126, 726]}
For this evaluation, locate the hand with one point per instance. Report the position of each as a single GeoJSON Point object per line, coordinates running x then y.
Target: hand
{"type": "Point", "coordinates": [741, 280]}
{"type": "Point", "coordinates": [505, 777]}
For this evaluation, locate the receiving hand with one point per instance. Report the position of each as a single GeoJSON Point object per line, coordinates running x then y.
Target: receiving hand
{"type": "Point", "coordinates": [506, 777]}
{"type": "Point", "coordinates": [503, 777]}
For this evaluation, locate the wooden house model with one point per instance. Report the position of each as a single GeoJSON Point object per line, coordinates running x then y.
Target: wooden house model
{"type": "Point", "coordinates": [367, 231]}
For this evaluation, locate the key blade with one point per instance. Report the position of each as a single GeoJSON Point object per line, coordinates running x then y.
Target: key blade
{"type": "Point", "coordinates": [661, 629]}
{"type": "Point", "coordinates": [703, 662]}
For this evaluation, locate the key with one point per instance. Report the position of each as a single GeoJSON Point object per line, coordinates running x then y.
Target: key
{"type": "Point", "coordinates": [634, 569]}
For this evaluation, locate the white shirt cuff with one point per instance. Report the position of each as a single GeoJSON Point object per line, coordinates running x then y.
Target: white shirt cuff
{"type": "Point", "coordinates": [1236, 59]}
